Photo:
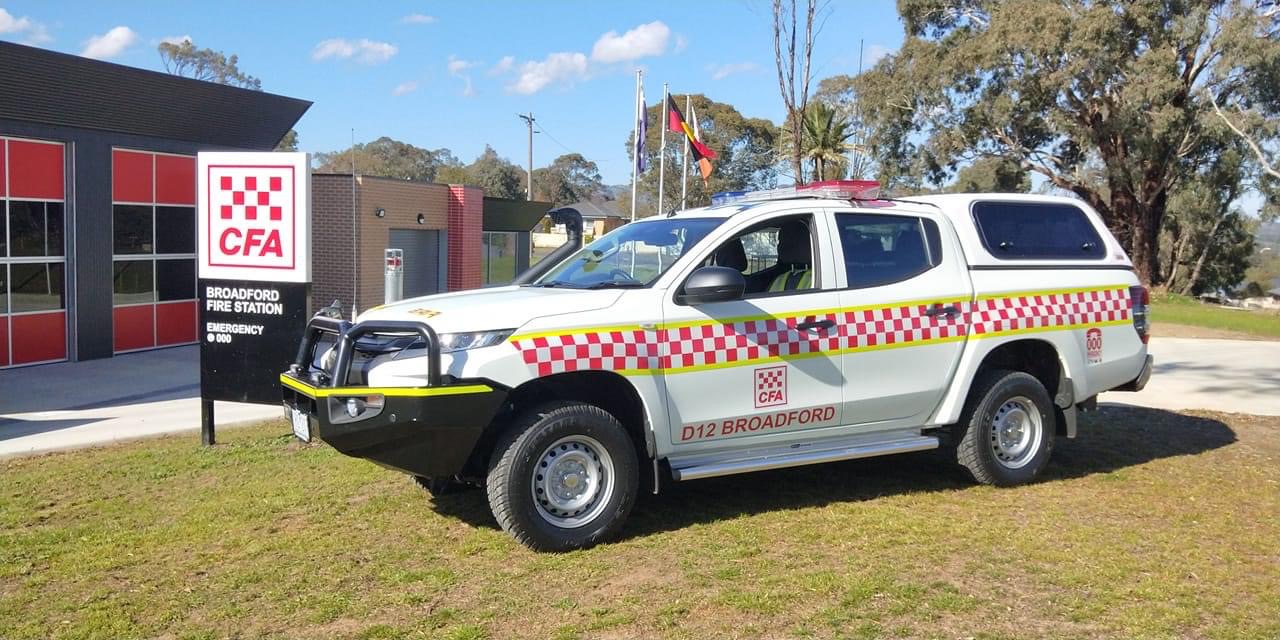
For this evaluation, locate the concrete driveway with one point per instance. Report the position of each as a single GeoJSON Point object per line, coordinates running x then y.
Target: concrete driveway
{"type": "Point", "coordinates": [1238, 376]}
{"type": "Point", "coordinates": [137, 395]}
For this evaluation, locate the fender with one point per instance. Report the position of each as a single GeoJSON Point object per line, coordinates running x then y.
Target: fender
{"type": "Point", "coordinates": [1071, 367]}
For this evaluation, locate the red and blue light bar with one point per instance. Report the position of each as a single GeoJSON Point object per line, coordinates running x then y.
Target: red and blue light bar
{"type": "Point", "coordinates": [826, 189]}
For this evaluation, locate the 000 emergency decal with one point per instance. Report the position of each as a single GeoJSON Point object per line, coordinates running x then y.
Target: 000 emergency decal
{"type": "Point", "coordinates": [709, 344]}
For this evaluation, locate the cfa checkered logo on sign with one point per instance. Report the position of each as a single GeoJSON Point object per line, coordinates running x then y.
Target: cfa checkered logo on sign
{"type": "Point", "coordinates": [1093, 345]}
{"type": "Point", "coordinates": [771, 386]}
{"type": "Point", "coordinates": [251, 217]}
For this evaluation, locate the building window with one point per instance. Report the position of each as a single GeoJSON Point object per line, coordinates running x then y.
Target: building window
{"type": "Point", "coordinates": [33, 308]}
{"type": "Point", "coordinates": [498, 256]}
{"type": "Point", "coordinates": [154, 238]}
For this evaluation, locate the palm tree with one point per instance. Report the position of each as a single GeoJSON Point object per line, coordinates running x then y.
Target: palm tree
{"type": "Point", "coordinates": [826, 142]}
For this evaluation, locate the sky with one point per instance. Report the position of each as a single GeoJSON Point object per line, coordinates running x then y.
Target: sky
{"type": "Point", "coordinates": [456, 74]}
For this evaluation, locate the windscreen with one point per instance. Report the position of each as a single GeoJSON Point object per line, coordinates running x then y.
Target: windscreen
{"type": "Point", "coordinates": [634, 255]}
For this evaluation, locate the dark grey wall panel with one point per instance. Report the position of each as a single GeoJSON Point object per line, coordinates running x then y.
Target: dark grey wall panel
{"type": "Point", "coordinates": [47, 87]}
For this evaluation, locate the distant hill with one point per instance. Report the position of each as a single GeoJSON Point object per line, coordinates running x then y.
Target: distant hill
{"type": "Point", "coordinates": [1268, 235]}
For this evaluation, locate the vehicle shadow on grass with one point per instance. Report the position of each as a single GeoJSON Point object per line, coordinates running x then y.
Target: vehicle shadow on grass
{"type": "Point", "coordinates": [1112, 438]}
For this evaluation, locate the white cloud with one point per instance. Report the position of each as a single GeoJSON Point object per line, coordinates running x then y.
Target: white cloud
{"type": "Point", "coordinates": [722, 71]}
{"type": "Point", "coordinates": [874, 54]}
{"type": "Point", "coordinates": [562, 68]}
{"type": "Point", "coordinates": [458, 65]}
{"type": "Point", "coordinates": [643, 41]}
{"type": "Point", "coordinates": [363, 51]}
{"type": "Point", "coordinates": [681, 43]}
{"type": "Point", "coordinates": [504, 65]}
{"type": "Point", "coordinates": [31, 32]}
{"type": "Point", "coordinates": [418, 18]}
{"type": "Point", "coordinates": [109, 44]}
{"type": "Point", "coordinates": [405, 87]}
{"type": "Point", "coordinates": [176, 39]}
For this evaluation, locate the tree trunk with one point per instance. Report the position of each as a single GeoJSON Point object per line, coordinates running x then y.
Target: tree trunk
{"type": "Point", "coordinates": [1144, 234]}
{"type": "Point", "coordinates": [797, 147]}
{"type": "Point", "coordinates": [1204, 256]}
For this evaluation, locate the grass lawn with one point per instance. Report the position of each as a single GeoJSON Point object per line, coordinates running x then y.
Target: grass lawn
{"type": "Point", "coordinates": [1151, 524]}
{"type": "Point", "coordinates": [1181, 310]}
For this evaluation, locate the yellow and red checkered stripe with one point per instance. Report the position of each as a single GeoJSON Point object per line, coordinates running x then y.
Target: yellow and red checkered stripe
{"type": "Point", "coordinates": [699, 345]}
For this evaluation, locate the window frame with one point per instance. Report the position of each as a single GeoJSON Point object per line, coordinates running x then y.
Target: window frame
{"type": "Point", "coordinates": [815, 265]}
{"type": "Point", "coordinates": [8, 260]}
{"type": "Point", "coordinates": [931, 235]}
{"type": "Point", "coordinates": [154, 257]}
{"type": "Point", "coordinates": [996, 254]}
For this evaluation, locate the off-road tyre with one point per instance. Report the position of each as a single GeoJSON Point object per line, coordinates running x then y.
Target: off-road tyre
{"type": "Point", "coordinates": [517, 491]}
{"type": "Point", "coordinates": [995, 397]}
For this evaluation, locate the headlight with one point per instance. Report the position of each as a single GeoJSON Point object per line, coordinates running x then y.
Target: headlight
{"type": "Point", "coordinates": [450, 342]}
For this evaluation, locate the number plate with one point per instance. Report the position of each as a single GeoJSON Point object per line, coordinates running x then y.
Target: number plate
{"type": "Point", "coordinates": [301, 426]}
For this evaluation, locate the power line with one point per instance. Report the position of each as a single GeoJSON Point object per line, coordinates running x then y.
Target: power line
{"type": "Point", "coordinates": [542, 128]}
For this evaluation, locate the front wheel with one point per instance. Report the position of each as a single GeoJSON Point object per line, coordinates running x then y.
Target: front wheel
{"type": "Point", "coordinates": [565, 477]}
{"type": "Point", "coordinates": [1008, 427]}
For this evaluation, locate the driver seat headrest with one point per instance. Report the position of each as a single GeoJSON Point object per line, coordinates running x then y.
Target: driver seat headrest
{"type": "Point", "coordinates": [793, 243]}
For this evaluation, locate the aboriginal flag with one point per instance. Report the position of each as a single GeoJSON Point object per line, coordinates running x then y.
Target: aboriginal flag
{"type": "Point", "coordinates": [702, 154]}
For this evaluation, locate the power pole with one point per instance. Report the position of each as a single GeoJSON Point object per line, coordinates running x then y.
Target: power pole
{"type": "Point", "coordinates": [529, 120]}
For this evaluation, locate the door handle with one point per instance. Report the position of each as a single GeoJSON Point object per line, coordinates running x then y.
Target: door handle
{"type": "Point", "coordinates": [813, 325]}
{"type": "Point", "coordinates": [939, 310]}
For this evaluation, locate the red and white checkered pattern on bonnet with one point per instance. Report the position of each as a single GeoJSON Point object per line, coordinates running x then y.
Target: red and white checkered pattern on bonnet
{"type": "Point", "coordinates": [763, 339]}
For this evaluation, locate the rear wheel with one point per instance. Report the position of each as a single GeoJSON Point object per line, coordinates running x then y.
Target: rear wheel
{"type": "Point", "coordinates": [1007, 429]}
{"type": "Point", "coordinates": [565, 477]}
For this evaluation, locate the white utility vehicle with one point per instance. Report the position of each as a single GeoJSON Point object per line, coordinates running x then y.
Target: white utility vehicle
{"type": "Point", "coordinates": [771, 329]}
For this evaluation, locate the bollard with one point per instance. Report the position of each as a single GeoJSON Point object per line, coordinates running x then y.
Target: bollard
{"type": "Point", "coordinates": [393, 279]}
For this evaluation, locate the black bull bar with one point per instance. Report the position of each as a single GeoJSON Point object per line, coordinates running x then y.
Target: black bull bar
{"type": "Point", "coordinates": [346, 334]}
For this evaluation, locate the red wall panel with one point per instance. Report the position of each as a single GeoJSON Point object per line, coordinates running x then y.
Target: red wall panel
{"type": "Point", "coordinates": [176, 180]}
{"type": "Point", "coordinates": [39, 337]}
{"type": "Point", "coordinates": [4, 341]}
{"type": "Point", "coordinates": [2, 176]}
{"type": "Point", "coordinates": [131, 176]}
{"type": "Point", "coordinates": [466, 215]}
{"type": "Point", "coordinates": [134, 327]}
{"type": "Point", "coordinates": [35, 170]}
{"type": "Point", "coordinates": [175, 323]}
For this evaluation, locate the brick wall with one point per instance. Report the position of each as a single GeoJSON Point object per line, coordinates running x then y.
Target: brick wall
{"type": "Point", "coordinates": [401, 202]}
{"type": "Point", "coordinates": [466, 219]}
{"type": "Point", "coordinates": [457, 209]}
{"type": "Point", "coordinates": [331, 240]}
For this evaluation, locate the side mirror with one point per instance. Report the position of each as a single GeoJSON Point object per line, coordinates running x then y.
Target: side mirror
{"type": "Point", "coordinates": [713, 284]}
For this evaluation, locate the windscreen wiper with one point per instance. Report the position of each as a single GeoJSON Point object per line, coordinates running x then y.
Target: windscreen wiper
{"type": "Point", "coordinates": [613, 284]}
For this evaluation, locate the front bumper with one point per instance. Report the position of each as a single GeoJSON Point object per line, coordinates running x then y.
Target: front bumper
{"type": "Point", "coordinates": [430, 430]}
{"type": "Point", "coordinates": [426, 431]}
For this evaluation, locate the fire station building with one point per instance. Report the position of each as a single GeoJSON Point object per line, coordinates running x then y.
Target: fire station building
{"type": "Point", "coordinates": [98, 197]}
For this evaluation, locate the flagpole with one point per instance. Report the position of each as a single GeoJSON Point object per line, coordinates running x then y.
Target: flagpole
{"type": "Point", "coordinates": [635, 145]}
{"type": "Point", "coordinates": [662, 148]}
{"type": "Point", "coordinates": [684, 164]}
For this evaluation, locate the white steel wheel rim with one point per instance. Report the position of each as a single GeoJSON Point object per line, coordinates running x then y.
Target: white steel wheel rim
{"type": "Point", "coordinates": [572, 481]}
{"type": "Point", "coordinates": [1016, 432]}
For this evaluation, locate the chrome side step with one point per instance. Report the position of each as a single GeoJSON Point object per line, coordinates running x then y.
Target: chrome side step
{"type": "Point", "coordinates": [697, 467]}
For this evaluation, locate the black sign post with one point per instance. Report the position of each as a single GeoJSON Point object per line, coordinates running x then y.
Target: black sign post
{"type": "Point", "coordinates": [254, 244]}
{"type": "Point", "coordinates": [249, 333]}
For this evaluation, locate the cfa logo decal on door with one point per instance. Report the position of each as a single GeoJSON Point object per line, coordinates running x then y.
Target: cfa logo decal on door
{"type": "Point", "coordinates": [771, 386]}
{"type": "Point", "coordinates": [251, 216]}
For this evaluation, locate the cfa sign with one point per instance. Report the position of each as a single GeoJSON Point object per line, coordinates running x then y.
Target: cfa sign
{"type": "Point", "coordinates": [253, 216]}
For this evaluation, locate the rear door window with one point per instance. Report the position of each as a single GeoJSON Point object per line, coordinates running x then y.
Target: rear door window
{"type": "Point", "coordinates": [1037, 231]}
{"type": "Point", "coordinates": [883, 249]}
